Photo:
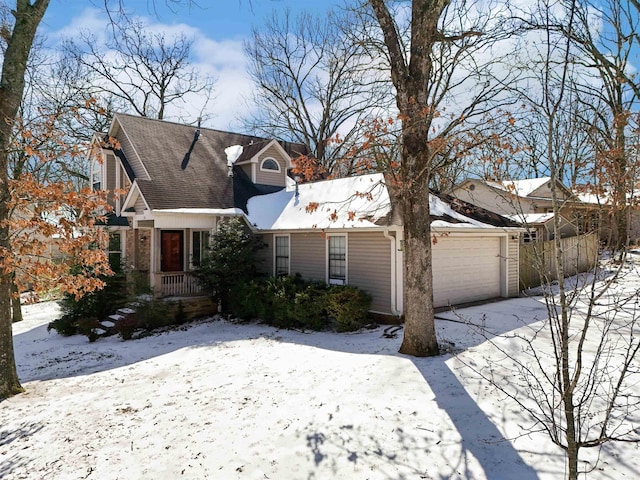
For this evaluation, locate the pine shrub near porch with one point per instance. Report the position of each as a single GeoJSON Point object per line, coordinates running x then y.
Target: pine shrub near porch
{"type": "Point", "coordinates": [230, 261]}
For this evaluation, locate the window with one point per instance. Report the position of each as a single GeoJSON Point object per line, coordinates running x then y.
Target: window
{"type": "Point", "coordinates": [270, 164]}
{"type": "Point", "coordinates": [96, 175]}
{"type": "Point", "coordinates": [281, 256]}
{"type": "Point", "coordinates": [115, 251]}
{"type": "Point", "coordinates": [200, 246]}
{"type": "Point", "coordinates": [530, 237]}
{"type": "Point", "coordinates": [337, 260]}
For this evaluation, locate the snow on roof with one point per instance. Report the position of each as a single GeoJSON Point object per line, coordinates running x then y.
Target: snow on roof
{"type": "Point", "coordinates": [352, 202]}
{"type": "Point", "coordinates": [522, 188]}
{"type": "Point", "coordinates": [531, 218]}
{"type": "Point", "coordinates": [233, 153]}
{"type": "Point", "coordinates": [593, 198]}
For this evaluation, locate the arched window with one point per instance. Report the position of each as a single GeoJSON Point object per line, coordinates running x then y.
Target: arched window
{"type": "Point", "coordinates": [270, 164]}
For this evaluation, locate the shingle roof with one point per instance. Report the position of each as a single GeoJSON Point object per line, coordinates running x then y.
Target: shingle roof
{"type": "Point", "coordinates": [472, 211]}
{"type": "Point", "coordinates": [183, 173]}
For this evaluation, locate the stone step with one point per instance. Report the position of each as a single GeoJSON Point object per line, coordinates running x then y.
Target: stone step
{"type": "Point", "coordinates": [125, 311]}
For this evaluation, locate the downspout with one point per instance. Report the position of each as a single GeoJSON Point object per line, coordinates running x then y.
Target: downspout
{"type": "Point", "coordinates": [394, 277]}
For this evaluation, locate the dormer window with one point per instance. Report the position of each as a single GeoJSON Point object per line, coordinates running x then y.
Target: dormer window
{"type": "Point", "coordinates": [270, 164]}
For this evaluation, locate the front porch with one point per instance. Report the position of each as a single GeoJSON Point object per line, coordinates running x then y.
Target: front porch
{"type": "Point", "coordinates": [176, 284]}
{"type": "Point", "coordinates": [163, 258]}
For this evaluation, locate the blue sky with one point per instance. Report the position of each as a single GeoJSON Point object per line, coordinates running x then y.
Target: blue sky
{"type": "Point", "coordinates": [219, 19]}
{"type": "Point", "coordinates": [218, 28]}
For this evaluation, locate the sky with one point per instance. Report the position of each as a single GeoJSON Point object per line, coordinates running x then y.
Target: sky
{"type": "Point", "coordinates": [217, 27]}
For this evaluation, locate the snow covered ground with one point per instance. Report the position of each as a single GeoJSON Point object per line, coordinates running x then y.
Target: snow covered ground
{"type": "Point", "coordinates": [220, 400]}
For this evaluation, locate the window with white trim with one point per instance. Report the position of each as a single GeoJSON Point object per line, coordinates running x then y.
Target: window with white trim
{"type": "Point", "coordinates": [200, 243]}
{"type": "Point", "coordinates": [281, 252]}
{"type": "Point", "coordinates": [337, 258]}
{"type": "Point", "coordinates": [270, 164]}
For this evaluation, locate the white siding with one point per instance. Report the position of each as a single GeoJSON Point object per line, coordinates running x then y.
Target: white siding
{"type": "Point", "coordinates": [493, 200]}
{"type": "Point", "coordinates": [513, 266]}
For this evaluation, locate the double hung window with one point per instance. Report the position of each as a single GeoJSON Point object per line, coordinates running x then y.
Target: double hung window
{"type": "Point", "coordinates": [337, 259]}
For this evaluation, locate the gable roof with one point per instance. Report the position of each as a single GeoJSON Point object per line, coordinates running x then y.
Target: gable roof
{"type": "Point", "coordinates": [357, 202]}
{"type": "Point", "coordinates": [187, 166]}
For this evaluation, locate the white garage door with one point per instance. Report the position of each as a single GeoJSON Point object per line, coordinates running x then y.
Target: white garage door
{"type": "Point", "coordinates": [465, 269]}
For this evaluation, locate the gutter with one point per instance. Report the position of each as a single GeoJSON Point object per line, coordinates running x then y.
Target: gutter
{"type": "Point", "coordinates": [393, 239]}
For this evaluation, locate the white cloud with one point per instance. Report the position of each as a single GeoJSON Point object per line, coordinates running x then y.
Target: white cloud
{"type": "Point", "coordinates": [222, 60]}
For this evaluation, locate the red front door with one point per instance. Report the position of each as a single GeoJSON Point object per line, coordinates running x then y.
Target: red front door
{"type": "Point", "coordinates": [172, 251]}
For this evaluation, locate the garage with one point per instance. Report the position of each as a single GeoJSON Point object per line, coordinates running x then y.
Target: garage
{"type": "Point", "coordinates": [465, 269]}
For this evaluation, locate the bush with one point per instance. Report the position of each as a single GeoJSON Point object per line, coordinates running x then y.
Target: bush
{"type": "Point", "coordinates": [309, 306]}
{"type": "Point", "coordinates": [230, 261]}
{"type": "Point", "coordinates": [127, 326]}
{"type": "Point", "coordinates": [151, 314]}
{"type": "Point", "coordinates": [349, 307]}
{"type": "Point", "coordinates": [290, 302]}
{"type": "Point", "coordinates": [81, 315]}
{"type": "Point", "coordinates": [65, 326]}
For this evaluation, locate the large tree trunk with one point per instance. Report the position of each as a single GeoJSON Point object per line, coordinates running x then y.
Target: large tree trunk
{"type": "Point", "coordinates": [419, 330]}
{"type": "Point", "coordinates": [411, 81]}
{"type": "Point", "coordinates": [27, 18]}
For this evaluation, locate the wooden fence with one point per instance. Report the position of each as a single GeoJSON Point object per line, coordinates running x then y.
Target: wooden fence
{"type": "Point", "coordinates": [538, 260]}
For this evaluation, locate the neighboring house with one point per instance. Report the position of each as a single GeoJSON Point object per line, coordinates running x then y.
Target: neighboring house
{"type": "Point", "coordinates": [529, 202]}
{"type": "Point", "coordinates": [540, 226]}
{"type": "Point", "coordinates": [179, 184]}
{"type": "Point", "coordinates": [602, 204]}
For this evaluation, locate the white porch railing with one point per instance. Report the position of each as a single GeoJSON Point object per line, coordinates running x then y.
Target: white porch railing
{"type": "Point", "coordinates": [176, 284]}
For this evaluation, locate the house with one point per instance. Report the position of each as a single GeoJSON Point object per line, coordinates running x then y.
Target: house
{"type": "Point", "coordinates": [529, 202]}
{"type": "Point", "coordinates": [605, 220]}
{"type": "Point", "coordinates": [353, 235]}
{"type": "Point", "coordinates": [179, 182]}
{"type": "Point", "coordinates": [175, 186]}
{"type": "Point", "coordinates": [540, 226]}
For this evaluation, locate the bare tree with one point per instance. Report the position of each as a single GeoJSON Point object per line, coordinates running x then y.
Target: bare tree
{"type": "Point", "coordinates": [442, 56]}
{"type": "Point", "coordinates": [313, 83]}
{"type": "Point", "coordinates": [138, 69]}
{"type": "Point", "coordinates": [575, 374]}
{"type": "Point", "coordinates": [605, 36]}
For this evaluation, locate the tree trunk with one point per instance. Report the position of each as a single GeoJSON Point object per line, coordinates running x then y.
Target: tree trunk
{"type": "Point", "coordinates": [419, 325]}
{"type": "Point", "coordinates": [621, 185]}
{"type": "Point", "coordinates": [16, 310]}
{"type": "Point", "coordinates": [27, 19]}
{"type": "Point", "coordinates": [411, 81]}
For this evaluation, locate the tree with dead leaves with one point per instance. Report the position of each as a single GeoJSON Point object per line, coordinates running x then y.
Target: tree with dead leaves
{"type": "Point", "coordinates": [444, 37]}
